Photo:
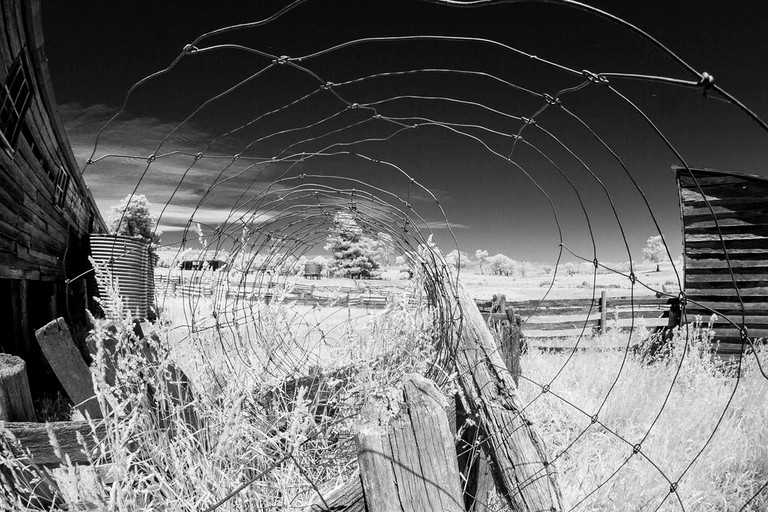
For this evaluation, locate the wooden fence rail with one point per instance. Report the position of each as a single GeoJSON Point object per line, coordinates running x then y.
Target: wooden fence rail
{"type": "Point", "coordinates": [572, 317]}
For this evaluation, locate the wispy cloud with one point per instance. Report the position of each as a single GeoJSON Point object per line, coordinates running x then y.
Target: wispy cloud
{"type": "Point", "coordinates": [212, 190]}
{"type": "Point", "coordinates": [441, 224]}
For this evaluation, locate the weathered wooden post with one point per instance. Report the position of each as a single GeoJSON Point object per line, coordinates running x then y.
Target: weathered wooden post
{"type": "Point", "coordinates": [58, 348]}
{"type": "Point", "coordinates": [603, 312]}
{"type": "Point", "coordinates": [520, 467]}
{"type": "Point", "coordinates": [15, 397]}
{"type": "Point", "coordinates": [408, 461]}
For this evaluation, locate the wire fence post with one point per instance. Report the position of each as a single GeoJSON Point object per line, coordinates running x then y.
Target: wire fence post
{"type": "Point", "coordinates": [603, 310]}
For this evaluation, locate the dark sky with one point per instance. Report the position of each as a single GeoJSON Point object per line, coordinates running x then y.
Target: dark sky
{"type": "Point", "coordinates": [98, 50]}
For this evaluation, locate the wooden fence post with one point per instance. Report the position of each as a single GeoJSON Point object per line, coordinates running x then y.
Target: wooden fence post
{"type": "Point", "coordinates": [15, 397]}
{"type": "Point", "coordinates": [58, 348]}
{"type": "Point", "coordinates": [521, 469]}
{"type": "Point", "coordinates": [408, 462]}
{"type": "Point", "coordinates": [603, 312]}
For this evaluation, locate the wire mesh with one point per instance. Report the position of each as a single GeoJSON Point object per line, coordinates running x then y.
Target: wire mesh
{"type": "Point", "coordinates": [313, 165]}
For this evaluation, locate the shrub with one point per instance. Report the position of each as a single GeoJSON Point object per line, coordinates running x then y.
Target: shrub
{"type": "Point", "coordinates": [501, 265]}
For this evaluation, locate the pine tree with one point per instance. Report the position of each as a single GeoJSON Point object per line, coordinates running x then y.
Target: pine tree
{"type": "Point", "coordinates": [353, 253]}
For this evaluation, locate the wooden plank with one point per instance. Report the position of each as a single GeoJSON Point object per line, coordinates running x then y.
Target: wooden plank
{"type": "Point", "coordinates": [719, 207]}
{"type": "Point", "coordinates": [523, 475]}
{"type": "Point", "coordinates": [15, 397]}
{"type": "Point", "coordinates": [732, 305]}
{"type": "Point", "coordinates": [742, 279]}
{"type": "Point", "coordinates": [702, 294]}
{"type": "Point", "coordinates": [398, 456]}
{"type": "Point", "coordinates": [58, 348]}
{"type": "Point", "coordinates": [556, 326]}
{"type": "Point", "coordinates": [721, 265]}
{"type": "Point", "coordinates": [707, 178]}
{"type": "Point", "coordinates": [346, 498]}
{"type": "Point", "coordinates": [20, 310]}
{"type": "Point", "coordinates": [35, 438]}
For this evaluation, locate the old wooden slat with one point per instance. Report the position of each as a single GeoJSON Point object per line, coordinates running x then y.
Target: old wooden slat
{"type": "Point", "coordinates": [19, 308]}
{"type": "Point", "coordinates": [521, 469]}
{"type": "Point", "coordinates": [35, 439]}
{"type": "Point", "coordinates": [742, 279]}
{"type": "Point", "coordinates": [477, 480]}
{"type": "Point", "coordinates": [61, 352]}
{"type": "Point", "coordinates": [346, 498]}
{"type": "Point", "coordinates": [408, 461]}
{"type": "Point", "coordinates": [15, 397]}
{"type": "Point", "coordinates": [556, 326]}
{"type": "Point", "coordinates": [700, 293]}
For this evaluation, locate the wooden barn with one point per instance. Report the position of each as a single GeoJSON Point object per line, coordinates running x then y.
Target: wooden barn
{"type": "Point", "coordinates": [725, 237]}
{"type": "Point", "coordinates": [46, 210]}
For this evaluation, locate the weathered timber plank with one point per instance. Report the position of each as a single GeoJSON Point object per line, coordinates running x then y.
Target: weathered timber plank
{"type": "Point", "coordinates": [35, 438]}
{"type": "Point", "coordinates": [556, 326]}
{"type": "Point", "coordinates": [723, 266]}
{"type": "Point", "coordinates": [720, 195]}
{"type": "Point", "coordinates": [346, 498]}
{"type": "Point", "coordinates": [698, 292]}
{"type": "Point", "coordinates": [742, 279]}
{"type": "Point", "coordinates": [705, 177]}
{"type": "Point", "coordinates": [725, 206]}
{"type": "Point", "coordinates": [58, 348]}
{"type": "Point", "coordinates": [520, 465]}
{"type": "Point", "coordinates": [731, 305]}
{"type": "Point", "coordinates": [408, 462]}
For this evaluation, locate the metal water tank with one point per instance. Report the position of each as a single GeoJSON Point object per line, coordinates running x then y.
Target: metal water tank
{"type": "Point", "coordinates": [126, 260]}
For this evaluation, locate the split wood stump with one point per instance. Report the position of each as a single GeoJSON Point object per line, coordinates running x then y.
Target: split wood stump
{"type": "Point", "coordinates": [15, 397]}
{"type": "Point", "coordinates": [517, 453]}
{"type": "Point", "coordinates": [62, 354]}
{"type": "Point", "coordinates": [407, 458]}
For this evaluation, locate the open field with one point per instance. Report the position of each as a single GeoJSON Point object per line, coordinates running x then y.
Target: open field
{"type": "Point", "coordinates": [670, 409]}
{"type": "Point", "coordinates": [620, 431]}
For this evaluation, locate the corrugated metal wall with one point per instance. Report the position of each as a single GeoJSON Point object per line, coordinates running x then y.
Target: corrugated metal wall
{"type": "Point", "coordinates": [725, 232]}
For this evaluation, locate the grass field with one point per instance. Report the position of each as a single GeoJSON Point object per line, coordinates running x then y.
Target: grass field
{"type": "Point", "coordinates": [696, 426]}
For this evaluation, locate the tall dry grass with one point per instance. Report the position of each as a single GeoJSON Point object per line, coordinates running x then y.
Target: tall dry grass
{"type": "Point", "coordinates": [271, 408]}
{"type": "Point", "coordinates": [282, 432]}
{"type": "Point", "coordinates": [697, 424]}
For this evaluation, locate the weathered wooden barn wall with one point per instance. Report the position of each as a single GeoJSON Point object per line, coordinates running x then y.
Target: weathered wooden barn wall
{"type": "Point", "coordinates": [715, 203]}
{"type": "Point", "coordinates": [46, 211]}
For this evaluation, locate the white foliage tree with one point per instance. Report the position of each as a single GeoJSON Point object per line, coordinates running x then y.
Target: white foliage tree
{"type": "Point", "coordinates": [655, 251]}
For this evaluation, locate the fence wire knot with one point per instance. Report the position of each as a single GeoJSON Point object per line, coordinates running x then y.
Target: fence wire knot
{"type": "Point", "coordinates": [632, 278]}
{"type": "Point", "coordinates": [594, 78]}
{"type": "Point", "coordinates": [673, 488]}
{"type": "Point", "coordinates": [706, 82]}
{"type": "Point", "coordinates": [552, 100]}
{"type": "Point", "coordinates": [636, 449]}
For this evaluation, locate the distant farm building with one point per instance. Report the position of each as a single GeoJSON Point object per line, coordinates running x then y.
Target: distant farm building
{"type": "Point", "coordinates": [46, 210]}
{"type": "Point", "coordinates": [202, 264]}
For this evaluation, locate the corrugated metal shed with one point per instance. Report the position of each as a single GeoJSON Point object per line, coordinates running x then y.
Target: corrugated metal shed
{"type": "Point", "coordinates": [725, 233]}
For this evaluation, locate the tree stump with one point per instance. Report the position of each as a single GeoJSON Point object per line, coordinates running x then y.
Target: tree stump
{"type": "Point", "coordinates": [15, 397]}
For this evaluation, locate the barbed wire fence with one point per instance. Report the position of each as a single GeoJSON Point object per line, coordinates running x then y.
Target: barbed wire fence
{"type": "Point", "coordinates": [291, 197]}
